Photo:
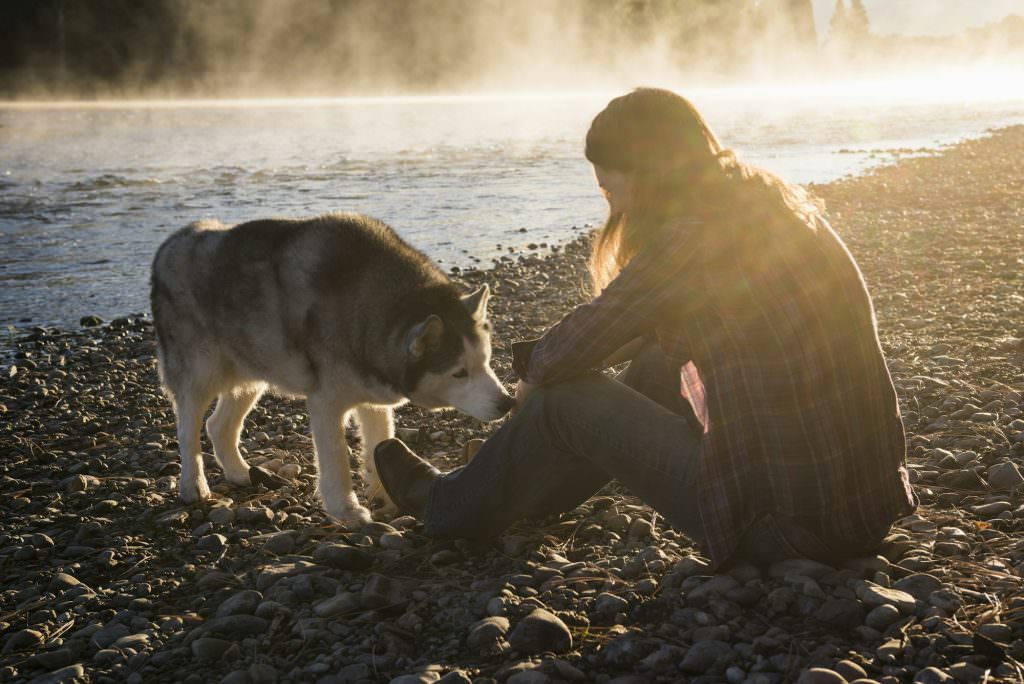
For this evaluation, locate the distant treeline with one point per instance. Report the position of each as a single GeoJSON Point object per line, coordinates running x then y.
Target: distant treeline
{"type": "Point", "coordinates": [89, 48]}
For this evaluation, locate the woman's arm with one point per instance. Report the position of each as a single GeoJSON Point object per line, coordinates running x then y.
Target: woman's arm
{"type": "Point", "coordinates": [631, 306]}
{"type": "Point", "coordinates": [522, 350]}
{"type": "Point", "coordinates": [625, 353]}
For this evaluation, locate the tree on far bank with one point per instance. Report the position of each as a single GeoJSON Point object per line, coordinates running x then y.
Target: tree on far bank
{"type": "Point", "coordinates": [837, 22]}
{"type": "Point", "coordinates": [801, 18]}
{"type": "Point", "coordinates": [849, 33]}
{"type": "Point", "coordinates": [849, 24]}
{"type": "Point", "coordinates": [858, 25]}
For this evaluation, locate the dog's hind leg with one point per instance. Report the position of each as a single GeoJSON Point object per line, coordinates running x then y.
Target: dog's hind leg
{"type": "Point", "coordinates": [189, 407]}
{"type": "Point", "coordinates": [224, 428]}
{"type": "Point", "coordinates": [334, 471]}
{"type": "Point", "coordinates": [375, 426]}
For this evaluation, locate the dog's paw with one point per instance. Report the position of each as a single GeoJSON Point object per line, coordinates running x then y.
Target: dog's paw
{"type": "Point", "coordinates": [239, 478]}
{"type": "Point", "coordinates": [193, 492]}
{"type": "Point", "coordinates": [353, 516]}
{"type": "Point", "coordinates": [384, 509]}
{"type": "Point", "coordinates": [261, 476]}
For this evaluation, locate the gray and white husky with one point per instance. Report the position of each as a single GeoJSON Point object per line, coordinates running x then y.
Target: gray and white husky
{"type": "Point", "coordinates": [337, 309]}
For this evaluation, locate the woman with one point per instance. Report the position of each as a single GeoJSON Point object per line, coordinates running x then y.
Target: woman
{"type": "Point", "coordinates": [757, 414]}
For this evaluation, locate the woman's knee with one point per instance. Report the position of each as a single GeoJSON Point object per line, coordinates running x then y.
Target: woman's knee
{"type": "Point", "coordinates": [548, 399]}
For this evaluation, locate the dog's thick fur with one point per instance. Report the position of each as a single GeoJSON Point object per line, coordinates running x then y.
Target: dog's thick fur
{"type": "Point", "coordinates": [337, 309]}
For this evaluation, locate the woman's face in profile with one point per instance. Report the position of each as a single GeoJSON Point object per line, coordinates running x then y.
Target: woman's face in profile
{"type": "Point", "coordinates": [617, 188]}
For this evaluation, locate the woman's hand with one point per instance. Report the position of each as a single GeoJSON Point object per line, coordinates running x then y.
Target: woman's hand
{"type": "Point", "coordinates": [523, 390]}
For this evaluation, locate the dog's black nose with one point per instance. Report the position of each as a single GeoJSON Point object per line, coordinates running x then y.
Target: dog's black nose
{"type": "Point", "coordinates": [506, 404]}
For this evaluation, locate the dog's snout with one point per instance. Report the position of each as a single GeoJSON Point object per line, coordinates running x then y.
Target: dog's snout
{"type": "Point", "coordinates": [505, 404]}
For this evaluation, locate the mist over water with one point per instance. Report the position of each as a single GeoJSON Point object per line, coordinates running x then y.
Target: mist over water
{"type": "Point", "coordinates": [87, 193]}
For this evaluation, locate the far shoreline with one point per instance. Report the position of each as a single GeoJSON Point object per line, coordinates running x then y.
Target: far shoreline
{"type": "Point", "coordinates": [955, 83]}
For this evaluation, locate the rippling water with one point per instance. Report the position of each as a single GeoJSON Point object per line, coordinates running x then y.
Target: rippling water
{"type": "Point", "coordinates": [87, 193]}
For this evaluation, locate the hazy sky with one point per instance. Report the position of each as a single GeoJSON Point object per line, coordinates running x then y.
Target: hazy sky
{"type": "Point", "coordinates": [924, 17]}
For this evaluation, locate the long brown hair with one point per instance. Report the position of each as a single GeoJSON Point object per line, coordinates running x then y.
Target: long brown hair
{"type": "Point", "coordinates": [680, 174]}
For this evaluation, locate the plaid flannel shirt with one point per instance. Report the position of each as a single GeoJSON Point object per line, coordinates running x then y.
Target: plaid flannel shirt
{"type": "Point", "coordinates": [774, 337]}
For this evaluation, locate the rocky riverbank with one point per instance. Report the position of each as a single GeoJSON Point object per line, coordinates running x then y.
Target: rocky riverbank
{"type": "Point", "coordinates": [106, 577]}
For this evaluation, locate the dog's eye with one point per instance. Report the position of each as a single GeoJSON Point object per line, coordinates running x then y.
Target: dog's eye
{"type": "Point", "coordinates": [461, 374]}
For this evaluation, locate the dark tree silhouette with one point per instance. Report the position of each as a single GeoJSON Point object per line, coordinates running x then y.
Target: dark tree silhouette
{"type": "Point", "coordinates": [91, 48]}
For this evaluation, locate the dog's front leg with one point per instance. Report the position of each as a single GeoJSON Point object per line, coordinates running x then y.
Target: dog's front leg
{"type": "Point", "coordinates": [334, 481]}
{"type": "Point", "coordinates": [375, 426]}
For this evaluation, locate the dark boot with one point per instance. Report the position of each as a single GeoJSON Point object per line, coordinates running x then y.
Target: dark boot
{"type": "Point", "coordinates": [406, 477]}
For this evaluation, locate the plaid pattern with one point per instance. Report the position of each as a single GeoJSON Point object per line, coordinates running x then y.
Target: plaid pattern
{"type": "Point", "coordinates": [775, 339]}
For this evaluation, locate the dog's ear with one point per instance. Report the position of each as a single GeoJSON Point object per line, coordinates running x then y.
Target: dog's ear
{"type": "Point", "coordinates": [425, 336]}
{"type": "Point", "coordinates": [476, 302]}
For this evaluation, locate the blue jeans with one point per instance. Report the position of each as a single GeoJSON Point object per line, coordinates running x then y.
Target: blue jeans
{"type": "Point", "coordinates": [572, 438]}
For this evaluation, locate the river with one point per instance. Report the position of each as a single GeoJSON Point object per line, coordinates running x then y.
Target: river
{"type": "Point", "coordinates": [88, 191]}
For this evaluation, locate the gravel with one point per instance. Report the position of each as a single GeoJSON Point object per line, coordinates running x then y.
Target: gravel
{"type": "Point", "coordinates": [106, 577]}
{"type": "Point", "coordinates": [540, 632]}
